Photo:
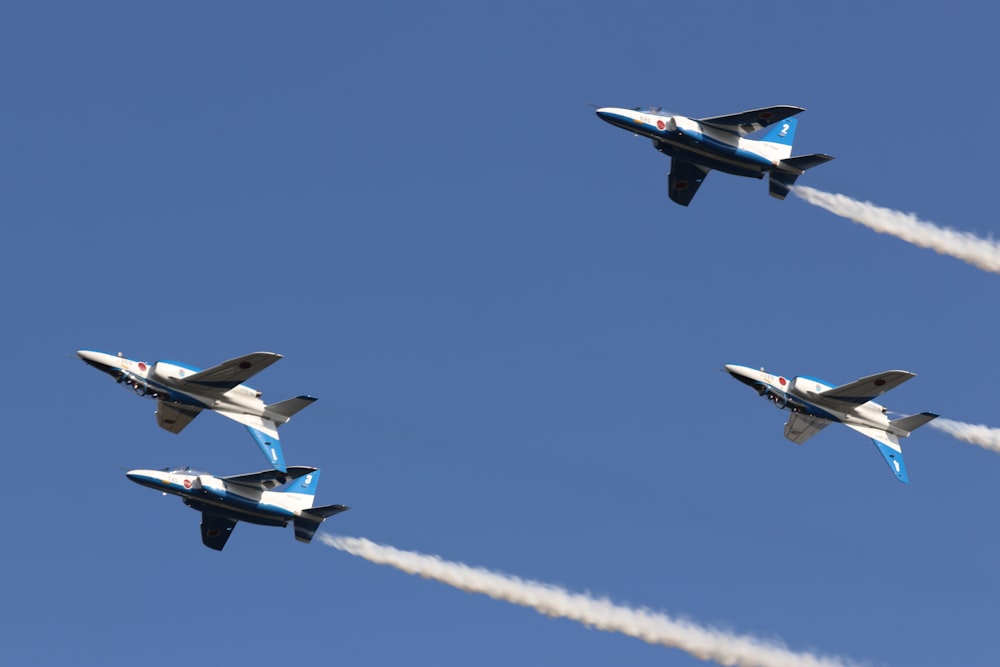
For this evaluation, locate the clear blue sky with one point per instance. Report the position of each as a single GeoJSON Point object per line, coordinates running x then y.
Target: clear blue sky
{"type": "Point", "coordinates": [514, 335]}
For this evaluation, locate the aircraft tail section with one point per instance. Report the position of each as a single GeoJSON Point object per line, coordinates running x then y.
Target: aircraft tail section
{"type": "Point", "coordinates": [285, 409]}
{"type": "Point", "coordinates": [309, 521]}
{"type": "Point", "coordinates": [266, 436]}
{"type": "Point", "coordinates": [783, 133]}
{"type": "Point", "coordinates": [913, 422]}
{"type": "Point", "coordinates": [888, 446]}
{"type": "Point", "coordinates": [782, 177]}
{"type": "Point", "coordinates": [800, 163]}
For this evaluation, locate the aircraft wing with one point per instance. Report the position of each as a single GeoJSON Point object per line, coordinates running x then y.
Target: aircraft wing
{"type": "Point", "coordinates": [867, 388]}
{"type": "Point", "coordinates": [220, 379]}
{"type": "Point", "coordinates": [173, 417]}
{"type": "Point", "coordinates": [684, 180]}
{"type": "Point", "coordinates": [269, 479]}
{"type": "Point", "coordinates": [746, 122]}
{"type": "Point", "coordinates": [215, 530]}
{"type": "Point", "coordinates": [888, 446]}
{"type": "Point", "coordinates": [801, 427]}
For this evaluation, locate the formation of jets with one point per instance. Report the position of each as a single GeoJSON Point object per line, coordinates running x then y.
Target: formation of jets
{"type": "Point", "coordinates": [181, 392]}
{"type": "Point", "coordinates": [286, 494]}
{"type": "Point", "coordinates": [696, 146]}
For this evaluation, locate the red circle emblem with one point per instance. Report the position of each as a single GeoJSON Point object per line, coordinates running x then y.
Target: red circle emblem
{"type": "Point", "coordinates": [660, 125]}
{"type": "Point", "coordinates": [879, 382]}
{"type": "Point", "coordinates": [680, 185]}
{"type": "Point", "coordinates": [781, 381]}
{"type": "Point", "coordinates": [142, 366]}
{"type": "Point", "coordinates": [187, 484]}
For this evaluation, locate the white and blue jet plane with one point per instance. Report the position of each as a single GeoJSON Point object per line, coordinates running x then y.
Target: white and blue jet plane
{"type": "Point", "coordinates": [182, 392]}
{"type": "Point", "coordinates": [224, 501]}
{"type": "Point", "coordinates": [814, 405]}
{"type": "Point", "coordinates": [696, 146]}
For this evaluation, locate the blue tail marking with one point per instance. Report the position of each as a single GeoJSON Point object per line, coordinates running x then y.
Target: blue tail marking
{"type": "Point", "coordinates": [782, 132]}
{"type": "Point", "coordinates": [271, 448]}
{"type": "Point", "coordinates": [895, 461]}
{"type": "Point", "coordinates": [306, 484]}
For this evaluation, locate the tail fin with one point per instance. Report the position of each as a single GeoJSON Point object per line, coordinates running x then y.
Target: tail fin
{"type": "Point", "coordinates": [266, 437]}
{"type": "Point", "coordinates": [913, 422]}
{"type": "Point", "coordinates": [784, 175]}
{"type": "Point", "coordinates": [305, 486]}
{"type": "Point", "coordinates": [285, 409]}
{"type": "Point", "coordinates": [783, 132]}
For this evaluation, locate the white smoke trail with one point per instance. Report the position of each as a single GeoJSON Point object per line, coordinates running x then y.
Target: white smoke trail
{"type": "Point", "coordinates": [980, 252]}
{"type": "Point", "coordinates": [703, 642]}
{"type": "Point", "coordinates": [975, 434]}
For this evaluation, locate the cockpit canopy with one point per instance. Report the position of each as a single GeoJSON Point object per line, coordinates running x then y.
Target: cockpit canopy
{"type": "Point", "coordinates": [658, 110]}
{"type": "Point", "coordinates": [182, 470]}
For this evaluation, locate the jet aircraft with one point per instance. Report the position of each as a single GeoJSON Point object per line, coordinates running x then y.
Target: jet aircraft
{"type": "Point", "coordinates": [696, 146]}
{"type": "Point", "coordinates": [223, 501]}
{"type": "Point", "coordinates": [814, 405]}
{"type": "Point", "coordinates": [183, 391]}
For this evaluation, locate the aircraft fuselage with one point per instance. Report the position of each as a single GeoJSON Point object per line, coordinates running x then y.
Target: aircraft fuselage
{"type": "Point", "coordinates": [691, 141]}
{"type": "Point", "coordinates": [794, 395]}
{"type": "Point", "coordinates": [207, 493]}
{"type": "Point", "coordinates": [158, 381]}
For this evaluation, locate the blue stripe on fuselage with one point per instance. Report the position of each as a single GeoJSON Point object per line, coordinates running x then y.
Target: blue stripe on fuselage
{"type": "Point", "coordinates": [714, 154]}
{"type": "Point", "coordinates": [805, 406]}
{"type": "Point", "coordinates": [167, 393]}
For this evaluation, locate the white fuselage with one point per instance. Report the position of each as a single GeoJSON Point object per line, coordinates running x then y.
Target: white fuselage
{"type": "Point", "coordinates": [686, 138]}
{"type": "Point", "coordinates": [235, 501]}
{"type": "Point", "coordinates": [799, 395]}
{"type": "Point", "coordinates": [164, 380]}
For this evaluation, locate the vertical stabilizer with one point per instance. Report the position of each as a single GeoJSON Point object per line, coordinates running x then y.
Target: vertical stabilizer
{"type": "Point", "coordinates": [269, 444]}
{"type": "Point", "coordinates": [782, 133]}
{"type": "Point", "coordinates": [301, 493]}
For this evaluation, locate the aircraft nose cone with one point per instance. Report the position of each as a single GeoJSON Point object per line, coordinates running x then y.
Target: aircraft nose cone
{"type": "Point", "coordinates": [605, 113]}
{"type": "Point", "coordinates": [101, 361]}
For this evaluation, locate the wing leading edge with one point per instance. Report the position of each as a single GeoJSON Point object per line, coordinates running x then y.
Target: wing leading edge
{"type": "Point", "coordinates": [232, 372]}
{"type": "Point", "coordinates": [747, 122]}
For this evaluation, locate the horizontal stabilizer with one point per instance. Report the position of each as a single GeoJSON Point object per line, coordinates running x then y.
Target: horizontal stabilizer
{"type": "Point", "coordinates": [913, 422]}
{"type": "Point", "coordinates": [288, 408]}
{"type": "Point", "coordinates": [800, 163]}
{"type": "Point", "coordinates": [307, 522]}
{"type": "Point", "coordinates": [326, 511]}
